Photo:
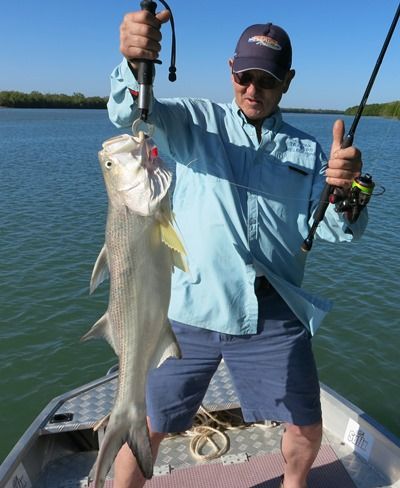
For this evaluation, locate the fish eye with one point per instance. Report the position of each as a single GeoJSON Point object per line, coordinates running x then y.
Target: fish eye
{"type": "Point", "coordinates": [108, 164]}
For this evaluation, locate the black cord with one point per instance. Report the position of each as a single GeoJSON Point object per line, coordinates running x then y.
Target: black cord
{"type": "Point", "coordinates": [172, 68]}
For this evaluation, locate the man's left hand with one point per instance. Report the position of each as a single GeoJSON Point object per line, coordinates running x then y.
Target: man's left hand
{"type": "Point", "coordinates": [344, 164]}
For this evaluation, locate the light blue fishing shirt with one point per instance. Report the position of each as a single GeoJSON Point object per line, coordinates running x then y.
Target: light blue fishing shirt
{"type": "Point", "coordinates": [243, 207]}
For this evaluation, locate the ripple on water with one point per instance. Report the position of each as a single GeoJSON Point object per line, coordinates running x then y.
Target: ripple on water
{"type": "Point", "coordinates": [52, 226]}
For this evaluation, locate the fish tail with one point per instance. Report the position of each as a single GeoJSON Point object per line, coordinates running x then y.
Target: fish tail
{"type": "Point", "coordinates": [139, 443]}
{"type": "Point", "coordinates": [117, 434]}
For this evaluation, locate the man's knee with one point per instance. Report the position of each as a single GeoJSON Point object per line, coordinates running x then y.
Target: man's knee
{"type": "Point", "coordinates": [311, 432]}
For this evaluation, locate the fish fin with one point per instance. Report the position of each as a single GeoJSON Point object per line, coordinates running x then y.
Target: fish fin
{"type": "Point", "coordinates": [100, 270]}
{"type": "Point", "coordinates": [171, 239]}
{"type": "Point", "coordinates": [139, 443]}
{"type": "Point", "coordinates": [121, 430]}
{"type": "Point", "coordinates": [167, 347]}
{"type": "Point", "coordinates": [102, 328]}
{"type": "Point", "coordinates": [179, 261]}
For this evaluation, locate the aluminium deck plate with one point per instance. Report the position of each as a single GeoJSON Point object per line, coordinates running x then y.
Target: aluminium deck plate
{"type": "Point", "coordinates": [246, 446]}
{"type": "Point", "coordinates": [261, 471]}
{"type": "Point", "coordinates": [91, 406]}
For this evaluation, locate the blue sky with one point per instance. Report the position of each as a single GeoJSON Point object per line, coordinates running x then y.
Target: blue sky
{"type": "Point", "coordinates": [72, 46]}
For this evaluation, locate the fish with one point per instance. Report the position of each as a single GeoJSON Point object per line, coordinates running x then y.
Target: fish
{"type": "Point", "coordinates": [140, 251]}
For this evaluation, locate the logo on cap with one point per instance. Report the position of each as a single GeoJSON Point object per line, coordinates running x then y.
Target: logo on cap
{"type": "Point", "coordinates": [266, 42]}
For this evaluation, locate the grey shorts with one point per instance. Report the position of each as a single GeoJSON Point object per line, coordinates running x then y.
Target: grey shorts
{"type": "Point", "coordinates": [273, 371]}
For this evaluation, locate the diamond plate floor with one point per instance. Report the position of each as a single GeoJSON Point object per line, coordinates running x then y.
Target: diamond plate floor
{"type": "Point", "coordinates": [262, 471]}
{"type": "Point", "coordinates": [90, 406]}
{"type": "Point", "coordinates": [256, 443]}
{"type": "Point", "coordinates": [260, 447]}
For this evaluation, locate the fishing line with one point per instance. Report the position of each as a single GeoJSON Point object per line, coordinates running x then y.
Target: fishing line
{"type": "Point", "coordinates": [385, 140]}
{"type": "Point", "coordinates": [353, 201]}
{"type": "Point", "coordinates": [145, 79]}
{"type": "Point", "coordinates": [285, 197]}
{"type": "Point", "coordinates": [395, 116]}
{"type": "Point", "coordinates": [277, 197]}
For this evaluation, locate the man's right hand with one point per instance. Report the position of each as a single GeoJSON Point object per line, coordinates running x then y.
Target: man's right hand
{"type": "Point", "coordinates": [140, 36]}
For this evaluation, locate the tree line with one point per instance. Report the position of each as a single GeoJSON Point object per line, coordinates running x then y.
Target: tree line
{"type": "Point", "coordinates": [390, 109]}
{"type": "Point", "coordinates": [35, 99]}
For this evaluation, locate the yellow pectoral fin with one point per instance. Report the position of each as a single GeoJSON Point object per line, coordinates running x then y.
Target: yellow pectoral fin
{"type": "Point", "coordinates": [171, 239]}
{"type": "Point", "coordinates": [179, 261]}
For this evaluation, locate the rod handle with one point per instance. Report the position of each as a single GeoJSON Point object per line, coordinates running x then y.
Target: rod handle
{"type": "Point", "coordinates": [145, 70]}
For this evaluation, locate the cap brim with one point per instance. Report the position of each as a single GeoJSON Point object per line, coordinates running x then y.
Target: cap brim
{"type": "Point", "coordinates": [245, 64]}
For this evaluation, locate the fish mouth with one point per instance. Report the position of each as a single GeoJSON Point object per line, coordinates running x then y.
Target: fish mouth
{"type": "Point", "coordinates": [155, 182]}
{"type": "Point", "coordinates": [132, 187]}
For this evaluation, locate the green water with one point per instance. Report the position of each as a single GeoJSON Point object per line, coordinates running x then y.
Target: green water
{"type": "Point", "coordinates": [53, 210]}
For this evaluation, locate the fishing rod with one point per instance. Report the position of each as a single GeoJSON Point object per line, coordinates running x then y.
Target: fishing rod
{"type": "Point", "coordinates": [356, 199]}
{"type": "Point", "coordinates": [146, 71]}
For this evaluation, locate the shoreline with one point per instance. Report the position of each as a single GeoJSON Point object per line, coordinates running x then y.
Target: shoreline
{"type": "Point", "coordinates": [38, 100]}
{"type": "Point", "coordinates": [88, 107]}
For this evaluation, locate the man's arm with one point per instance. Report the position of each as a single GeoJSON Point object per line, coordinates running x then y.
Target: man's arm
{"type": "Point", "coordinates": [140, 38]}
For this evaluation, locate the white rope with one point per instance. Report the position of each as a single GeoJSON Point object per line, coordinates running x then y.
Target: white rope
{"type": "Point", "coordinates": [209, 431]}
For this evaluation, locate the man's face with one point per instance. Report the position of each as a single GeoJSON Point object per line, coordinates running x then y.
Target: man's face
{"type": "Point", "coordinates": [256, 101]}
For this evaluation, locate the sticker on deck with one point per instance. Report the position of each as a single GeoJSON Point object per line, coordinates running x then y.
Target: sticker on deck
{"type": "Point", "coordinates": [360, 440]}
{"type": "Point", "coordinates": [19, 479]}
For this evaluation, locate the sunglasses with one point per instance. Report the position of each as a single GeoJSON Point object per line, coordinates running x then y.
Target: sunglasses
{"type": "Point", "coordinates": [264, 81]}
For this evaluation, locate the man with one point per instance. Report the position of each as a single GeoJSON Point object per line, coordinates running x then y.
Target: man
{"type": "Point", "coordinates": [247, 184]}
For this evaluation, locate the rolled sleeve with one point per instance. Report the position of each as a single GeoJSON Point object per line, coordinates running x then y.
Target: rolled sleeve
{"type": "Point", "coordinates": [121, 106]}
{"type": "Point", "coordinates": [336, 227]}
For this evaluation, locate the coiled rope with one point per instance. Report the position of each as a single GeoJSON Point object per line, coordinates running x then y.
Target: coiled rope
{"type": "Point", "coordinates": [209, 431]}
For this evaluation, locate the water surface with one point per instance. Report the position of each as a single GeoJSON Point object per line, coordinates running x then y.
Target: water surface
{"type": "Point", "coordinates": [53, 211]}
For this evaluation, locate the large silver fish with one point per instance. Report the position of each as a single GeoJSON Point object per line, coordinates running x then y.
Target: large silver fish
{"type": "Point", "coordinates": [140, 249]}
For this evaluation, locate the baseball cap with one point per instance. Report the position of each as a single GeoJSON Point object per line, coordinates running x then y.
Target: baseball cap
{"type": "Point", "coordinates": [266, 47]}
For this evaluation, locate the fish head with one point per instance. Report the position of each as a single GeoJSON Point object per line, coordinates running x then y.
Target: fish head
{"type": "Point", "coordinates": [134, 175]}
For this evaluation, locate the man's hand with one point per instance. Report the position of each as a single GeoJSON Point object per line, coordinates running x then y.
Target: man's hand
{"type": "Point", "coordinates": [344, 164]}
{"type": "Point", "coordinates": [140, 35]}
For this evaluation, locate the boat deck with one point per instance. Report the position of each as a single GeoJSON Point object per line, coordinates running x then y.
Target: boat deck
{"type": "Point", "coordinates": [64, 448]}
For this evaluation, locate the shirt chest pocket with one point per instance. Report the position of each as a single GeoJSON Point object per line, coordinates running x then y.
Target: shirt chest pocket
{"type": "Point", "coordinates": [284, 185]}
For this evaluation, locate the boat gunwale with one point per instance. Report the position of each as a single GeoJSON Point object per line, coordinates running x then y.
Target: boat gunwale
{"type": "Point", "coordinates": [34, 431]}
{"type": "Point", "coordinates": [362, 415]}
{"type": "Point", "coordinates": [384, 454]}
{"type": "Point", "coordinates": [329, 397]}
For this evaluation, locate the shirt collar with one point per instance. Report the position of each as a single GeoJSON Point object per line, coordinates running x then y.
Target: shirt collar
{"type": "Point", "coordinates": [272, 123]}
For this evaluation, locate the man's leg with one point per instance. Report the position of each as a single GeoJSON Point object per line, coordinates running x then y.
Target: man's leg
{"type": "Point", "coordinates": [126, 470]}
{"type": "Point", "coordinates": [276, 378]}
{"type": "Point", "coordinates": [300, 446]}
